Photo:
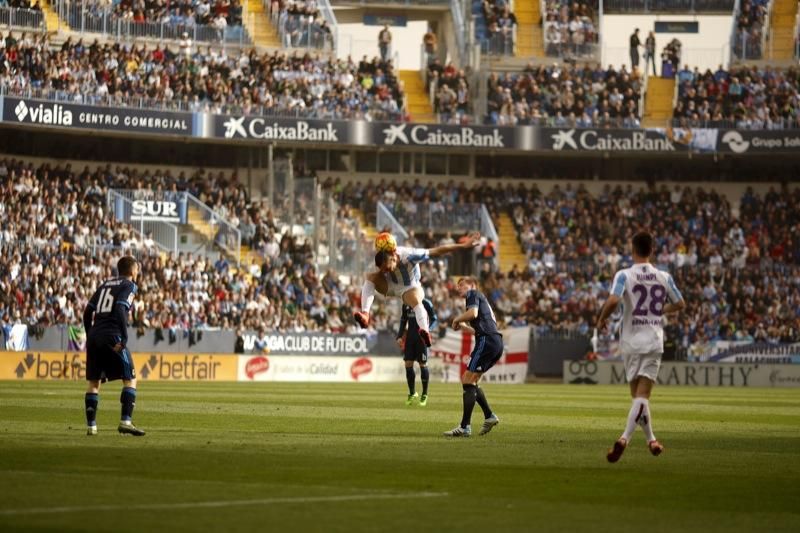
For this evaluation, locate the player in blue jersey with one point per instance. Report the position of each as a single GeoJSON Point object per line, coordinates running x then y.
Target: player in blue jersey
{"type": "Point", "coordinates": [480, 320]}
{"type": "Point", "coordinates": [414, 349]}
{"type": "Point", "coordinates": [107, 355]}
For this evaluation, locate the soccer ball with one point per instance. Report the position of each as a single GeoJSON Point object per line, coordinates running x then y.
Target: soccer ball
{"type": "Point", "coordinates": [385, 242]}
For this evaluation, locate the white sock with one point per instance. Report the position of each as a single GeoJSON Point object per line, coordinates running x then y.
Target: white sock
{"type": "Point", "coordinates": [422, 316]}
{"type": "Point", "coordinates": [367, 296]}
{"type": "Point", "coordinates": [645, 420]}
{"type": "Point", "coordinates": [634, 415]}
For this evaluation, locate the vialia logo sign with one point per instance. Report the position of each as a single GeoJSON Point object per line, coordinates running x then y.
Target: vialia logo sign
{"type": "Point", "coordinates": [42, 114]}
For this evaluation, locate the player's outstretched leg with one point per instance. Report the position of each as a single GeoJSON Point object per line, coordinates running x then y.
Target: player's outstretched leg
{"type": "Point", "coordinates": [128, 401]}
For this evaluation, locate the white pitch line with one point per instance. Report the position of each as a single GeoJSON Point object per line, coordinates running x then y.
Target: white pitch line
{"type": "Point", "coordinates": [218, 503]}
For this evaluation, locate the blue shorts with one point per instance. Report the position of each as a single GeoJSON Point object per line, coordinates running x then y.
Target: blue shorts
{"type": "Point", "coordinates": [104, 364]}
{"type": "Point", "coordinates": [415, 350]}
{"type": "Point", "coordinates": [488, 350]}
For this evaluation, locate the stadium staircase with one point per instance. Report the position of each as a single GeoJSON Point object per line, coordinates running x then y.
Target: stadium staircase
{"type": "Point", "coordinates": [259, 25]}
{"type": "Point", "coordinates": [781, 33]}
{"type": "Point", "coordinates": [51, 17]}
{"type": "Point", "coordinates": [511, 252]}
{"type": "Point", "coordinates": [529, 31]}
{"type": "Point", "coordinates": [369, 230]}
{"type": "Point", "coordinates": [200, 226]}
{"type": "Point", "coordinates": [418, 104]}
{"type": "Point", "coordinates": [658, 101]}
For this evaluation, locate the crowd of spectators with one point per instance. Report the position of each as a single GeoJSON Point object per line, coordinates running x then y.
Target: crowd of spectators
{"type": "Point", "coordinates": [494, 26]}
{"type": "Point", "coordinates": [200, 79]}
{"type": "Point", "coordinates": [736, 262]}
{"type": "Point", "coordinates": [744, 97]}
{"type": "Point", "coordinates": [570, 28]}
{"type": "Point", "coordinates": [451, 92]}
{"type": "Point", "coordinates": [750, 21]}
{"type": "Point", "coordinates": [565, 96]}
{"type": "Point", "coordinates": [738, 265]}
{"type": "Point", "coordinates": [59, 241]}
{"type": "Point", "coordinates": [159, 18]}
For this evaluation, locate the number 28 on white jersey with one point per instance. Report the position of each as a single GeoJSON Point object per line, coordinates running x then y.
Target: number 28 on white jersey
{"type": "Point", "coordinates": [644, 290]}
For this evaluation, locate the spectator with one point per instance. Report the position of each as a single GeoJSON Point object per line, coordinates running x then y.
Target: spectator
{"type": "Point", "coordinates": [633, 49]}
{"type": "Point", "coordinates": [650, 52]}
{"type": "Point", "coordinates": [385, 42]}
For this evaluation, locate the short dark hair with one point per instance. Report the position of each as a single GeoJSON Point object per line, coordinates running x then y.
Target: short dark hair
{"type": "Point", "coordinates": [125, 265]}
{"type": "Point", "coordinates": [643, 244]}
{"type": "Point", "coordinates": [381, 258]}
{"type": "Point", "coordinates": [469, 279]}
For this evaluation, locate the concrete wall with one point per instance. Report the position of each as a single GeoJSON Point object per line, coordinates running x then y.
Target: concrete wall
{"type": "Point", "coordinates": [706, 49]}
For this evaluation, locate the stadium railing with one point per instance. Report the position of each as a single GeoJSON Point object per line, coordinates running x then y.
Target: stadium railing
{"type": "Point", "coordinates": [745, 45]}
{"type": "Point", "coordinates": [571, 51]}
{"type": "Point", "coordinates": [164, 234]}
{"type": "Point", "coordinates": [97, 19]}
{"type": "Point", "coordinates": [671, 6]}
{"type": "Point", "coordinates": [329, 15]}
{"type": "Point", "coordinates": [458, 8]}
{"type": "Point", "coordinates": [779, 123]}
{"type": "Point", "coordinates": [409, 3]}
{"type": "Point", "coordinates": [385, 220]}
{"type": "Point", "coordinates": [22, 19]}
{"type": "Point", "coordinates": [92, 248]}
{"type": "Point", "coordinates": [141, 102]}
{"type": "Point", "coordinates": [797, 37]}
{"type": "Point", "coordinates": [300, 31]}
{"type": "Point", "coordinates": [226, 235]}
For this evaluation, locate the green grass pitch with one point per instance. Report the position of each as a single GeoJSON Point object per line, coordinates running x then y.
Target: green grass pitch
{"type": "Point", "coordinates": [335, 457]}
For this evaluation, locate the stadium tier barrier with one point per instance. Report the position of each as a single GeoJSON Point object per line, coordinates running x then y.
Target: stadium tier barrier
{"type": "Point", "coordinates": [23, 111]}
{"type": "Point", "coordinates": [71, 366]}
{"type": "Point", "coordinates": [203, 355]}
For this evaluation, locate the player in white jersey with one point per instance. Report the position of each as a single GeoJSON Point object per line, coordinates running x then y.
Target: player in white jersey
{"type": "Point", "coordinates": [398, 274]}
{"type": "Point", "coordinates": [646, 294]}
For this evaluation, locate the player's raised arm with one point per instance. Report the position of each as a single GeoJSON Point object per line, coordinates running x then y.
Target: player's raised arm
{"type": "Point", "coordinates": [473, 241]}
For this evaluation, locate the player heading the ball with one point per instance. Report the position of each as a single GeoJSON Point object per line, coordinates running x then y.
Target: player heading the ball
{"type": "Point", "coordinates": [398, 275]}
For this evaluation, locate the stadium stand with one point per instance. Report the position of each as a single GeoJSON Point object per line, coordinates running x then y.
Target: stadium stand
{"type": "Point", "coordinates": [744, 97]}
{"type": "Point", "coordinates": [200, 79]}
{"type": "Point", "coordinates": [565, 96]}
{"type": "Point", "coordinates": [56, 230]}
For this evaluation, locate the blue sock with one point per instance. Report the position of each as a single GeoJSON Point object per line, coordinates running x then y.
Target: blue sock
{"type": "Point", "coordinates": [426, 376]}
{"type": "Point", "coordinates": [410, 378]}
{"type": "Point", "coordinates": [91, 400]}
{"type": "Point", "coordinates": [128, 401]}
{"type": "Point", "coordinates": [470, 396]}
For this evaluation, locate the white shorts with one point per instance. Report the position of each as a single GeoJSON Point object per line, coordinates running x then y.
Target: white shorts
{"type": "Point", "coordinates": [644, 364]}
{"type": "Point", "coordinates": [398, 289]}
